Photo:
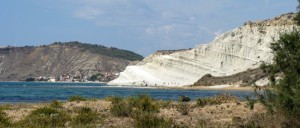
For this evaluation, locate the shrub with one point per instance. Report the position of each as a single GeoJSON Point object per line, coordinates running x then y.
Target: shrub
{"type": "Point", "coordinates": [4, 120]}
{"type": "Point", "coordinates": [283, 97]}
{"type": "Point", "coordinates": [56, 104]}
{"type": "Point", "coordinates": [201, 102]}
{"type": "Point", "coordinates": [250, 102]}
{"type": "Point", "coordinates": [144, 103]}
{"type": "Point", "coordinates": [76, 98]}
{"type": "Point", "coordinates": [45, 117]}
{"type": "Point", "coordinates": [85, 116]}
{"type": "Point", "coordinates": [222, 98]}
{"type": "Point", "coordinates": [124, 107]}
{"type": "Point", "coordinates": [184, 99]}
{"type": "Point", "coordinates": [164, 104]}
{"type": "Point", "coordinates": [183, 108]}
{"type": "Point", "coordinates": [120, 107]}
{"type": "Point", "coordinates": [150, 120]}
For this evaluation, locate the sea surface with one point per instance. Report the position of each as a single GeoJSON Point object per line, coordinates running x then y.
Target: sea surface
{"type": "Point", "coordinates": [32, 92]}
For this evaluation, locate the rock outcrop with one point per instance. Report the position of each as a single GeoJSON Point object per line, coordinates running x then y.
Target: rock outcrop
{"type": "Point", "coordinates": [245, 78]}
{"type": "Point", "coordinates": [234, 51]}
{"type": "Point", "coordinates": [19, 63]}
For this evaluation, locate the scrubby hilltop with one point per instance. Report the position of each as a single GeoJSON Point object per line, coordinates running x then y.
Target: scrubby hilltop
{"type": "Point", "coordinates": [232, 52]}
{"type": "Point", "coordinates": [58, 59]}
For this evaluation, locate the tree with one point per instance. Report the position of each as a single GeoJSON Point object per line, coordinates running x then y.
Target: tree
{"type": "Point", "coordinates": [297, 18]}
{"type": "Point", "coordinates": [283, 97]}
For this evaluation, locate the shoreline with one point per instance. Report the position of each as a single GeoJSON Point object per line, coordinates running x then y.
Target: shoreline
{"type": "Point", "coordinates": [215, 87]}
{"type": "Point", "coordinates": [249, 88]}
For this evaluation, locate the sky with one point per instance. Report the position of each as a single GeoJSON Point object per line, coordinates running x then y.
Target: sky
{"type": "Point", "coordinates": [142, 26]}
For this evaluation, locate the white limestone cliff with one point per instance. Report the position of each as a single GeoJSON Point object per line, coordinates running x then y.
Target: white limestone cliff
{"type": "Point", "coordinates": [232, 52]}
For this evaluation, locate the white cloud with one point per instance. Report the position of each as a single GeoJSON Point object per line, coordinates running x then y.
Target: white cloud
{"type": "Point", "coordinates": [168, 14]}
{"type": "Point", "coordinates": [150, 31]}
{"type": "Point", "coordinates": [88, 13]}
{"type": "Point", "coordinates": [167, 29]}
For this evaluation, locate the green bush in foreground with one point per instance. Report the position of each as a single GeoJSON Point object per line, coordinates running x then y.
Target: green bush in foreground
{"type": "Point", "coordinates": [184, 99]}
{"type": "Point", "coordinates": [183, 108]}
{"type": "Point", "coordinates": [123, 107]}
{"type": "Point", "coordinates": [85, 116]}
{"type": "Point", "coordinates": [4, 120]}
{"type": "Point", "coordinates": [150, 120]}
{"type": "Point", "coordinates": [56, 104]}
{"type": "Point", "coordinates": [45, 117]}
{"type": "Point", "coordinates": [120, 107]}
{"type": "Point", "coordinates": [283, 98]}
{"type": "Point", "coordinates": [222, 98]}
{"type": "Point", "coordinates": [76, 98]}
{"type": "Point", "coordinates": [144, 103]}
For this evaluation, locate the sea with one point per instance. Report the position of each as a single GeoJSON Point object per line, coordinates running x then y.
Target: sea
{"type": "Point", "coordinates": [38, 92]}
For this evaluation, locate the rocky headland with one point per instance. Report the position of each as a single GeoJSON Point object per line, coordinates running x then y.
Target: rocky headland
{"type": "Point", "coordinates": [238, 50]}
{"type": "Point", "coordinates": [69, 61]}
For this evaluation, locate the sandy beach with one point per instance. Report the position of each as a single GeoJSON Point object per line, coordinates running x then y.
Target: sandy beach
{"type": "Point", "coordinates": [217, 87]}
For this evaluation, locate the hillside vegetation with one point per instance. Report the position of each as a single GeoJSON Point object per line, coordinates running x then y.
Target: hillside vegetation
{"type": "Point", "coordinates": [107, 51]}
{"type": "Point", "coordinates": [68, 60]}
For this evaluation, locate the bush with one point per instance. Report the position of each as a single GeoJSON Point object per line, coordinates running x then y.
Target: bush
{"type": "Point", "coordinates": [184, 99]}
{"type": "Point", "coordinates": [45, 117]}
{"type": "Point", "coordinates": [283, 97]}
{"type": "Point", "coordinates": [4, 120]}
{"type": "Point", "coordinates": [144, 103]}
{"type": "Point", "coordinates": [85, 116]}
{"type": "Point", "coordinates": [183, 108]}
{"type": "Point", "coordinates": [76, 98]}
{"type": "Point", "coordinates": [150, 120]}
{"type": "Point", "coordinates": [120, 107]}
{"type": "Point", "coordinates": [222, 98]}
{"type": "Point", "coordinates": [250, 102]}
{"type": "Point", "coordinates": [124, 107]}
{"type": "Point", "coordinates": [201, 102]}
{"type": "Point", "coordinates": [56, 104]}
{"type": "Point", "coordinates": [164, 104]}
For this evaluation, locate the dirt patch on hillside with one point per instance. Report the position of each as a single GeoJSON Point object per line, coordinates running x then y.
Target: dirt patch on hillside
{"type": "Point", "coordinates": [245, 78]}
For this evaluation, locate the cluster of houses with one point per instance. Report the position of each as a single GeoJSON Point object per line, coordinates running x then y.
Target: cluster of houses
{"type": "Point", "coordinates": [105, 77]}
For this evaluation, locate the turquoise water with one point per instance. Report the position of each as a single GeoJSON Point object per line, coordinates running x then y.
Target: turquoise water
{"type": "Point", "coordinates": [28, 92]}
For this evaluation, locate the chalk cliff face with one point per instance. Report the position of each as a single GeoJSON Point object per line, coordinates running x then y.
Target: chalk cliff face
{"type": "Point", "coordinates": [232, 52]}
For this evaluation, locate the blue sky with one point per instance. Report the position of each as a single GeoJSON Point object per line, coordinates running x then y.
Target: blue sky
{"type": "Point", "coordinates": [143, 26]}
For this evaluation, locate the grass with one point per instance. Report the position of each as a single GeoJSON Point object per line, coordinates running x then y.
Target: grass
{"type": "Point", "coordinates": [150, 120]}
{"type": "Point", "coordinates": [144, 103]}
{"type": "Point", "coordinates": [56, 104]}
{"type": "Point", "coordinates": [85, 116]}
{"type": "Point", "coordinates": [219, 99]}
{"type": "Point", "coordinates": [140, 111]}
{"type": "Point", "coordinates": [123, 107]}
{"type": "Point", "coordinates": [45, 117]}
{"type": "Point", "coordinates": [4, 120]}
{"type": "Point", "coordinates": [120, 107]}
{"type": "Point", "coordinates": [250, 102]}
{"type": "Point", "coordinates": [184, 99]}
{"type": "Point", "coordinates": [76, 98]}
{"type": "Point", "coordinates": [183, 108]}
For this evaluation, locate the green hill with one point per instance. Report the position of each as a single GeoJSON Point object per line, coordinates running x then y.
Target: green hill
{"type": "Point", "coordinates": [107, 51]}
